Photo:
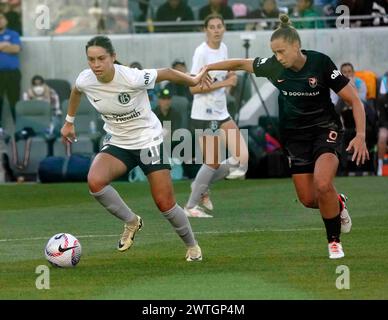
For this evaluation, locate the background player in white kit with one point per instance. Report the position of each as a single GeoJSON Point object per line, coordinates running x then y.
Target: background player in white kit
{"type": "Point", "coordinates": [209, 111]}
{"type": "Point", "coordinates": [134, 134]}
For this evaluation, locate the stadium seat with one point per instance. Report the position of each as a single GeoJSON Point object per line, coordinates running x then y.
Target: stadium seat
{"type": "Point", "coordinates": [35, 116]}
{"type": "Point", "coordinates": [61, 87]}
{"type": "Point", "coordinates": [88, 136]}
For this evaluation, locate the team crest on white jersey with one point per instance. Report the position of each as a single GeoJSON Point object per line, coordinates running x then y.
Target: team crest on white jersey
{"type": "Point", "coordinates": [124, 98]}
{"type": "Point", "coordinates": [313, 82]}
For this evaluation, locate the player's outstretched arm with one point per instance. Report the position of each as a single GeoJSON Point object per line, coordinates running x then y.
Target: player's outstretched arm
{"type": "Point", "coordinates": [68, 131]}
{"type": "Point", "coordinates": [182, 78]}
{"type": "Point", "coordinates": [230, 81]}
{"type": "Point", "coordinates": [232, 65]}
{"type": "Point", "coordinates": [229, 65]}
{"type": "Point", "coordinates": [357, 144]}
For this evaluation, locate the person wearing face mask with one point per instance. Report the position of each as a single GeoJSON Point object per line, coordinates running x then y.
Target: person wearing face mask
{"type": "Point", "coordinates": [39, 90]}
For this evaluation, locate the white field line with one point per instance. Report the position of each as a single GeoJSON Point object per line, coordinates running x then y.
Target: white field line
{"type": "Point", "coordinates": [198, 232]}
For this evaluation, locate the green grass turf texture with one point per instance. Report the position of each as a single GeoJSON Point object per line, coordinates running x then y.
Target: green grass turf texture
{"type": "Point", "coordinates": [261, 244]}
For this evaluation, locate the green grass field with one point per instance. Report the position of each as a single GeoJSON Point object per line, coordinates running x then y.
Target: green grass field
{"type": "Point", "coordinates": [261, 244]}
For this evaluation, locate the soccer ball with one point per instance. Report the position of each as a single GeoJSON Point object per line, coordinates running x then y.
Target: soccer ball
{"type": "Point", "coordinates": [63, 250]}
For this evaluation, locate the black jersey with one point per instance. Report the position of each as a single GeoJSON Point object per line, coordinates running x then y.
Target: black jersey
{"type": "Point", "coordinates": [304, 98]}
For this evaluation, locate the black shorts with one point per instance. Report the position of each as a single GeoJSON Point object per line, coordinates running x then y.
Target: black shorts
{"type": "Point", "coordinates": [149, 160]}
{"type": "Point", "coordinates": [383, 115]}
{"type": "Point", "coordinates": [208, 124]}
{"type": "Point", "coordinates": [303, 147]}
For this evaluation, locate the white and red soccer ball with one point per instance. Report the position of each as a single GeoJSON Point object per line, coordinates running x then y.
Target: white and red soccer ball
{"type": "Point", "coordinates": [63, 250]}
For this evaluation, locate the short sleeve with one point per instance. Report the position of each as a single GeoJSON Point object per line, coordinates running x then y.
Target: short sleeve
{"type": "Point", "coordinates": [142, 79]}
{"type": "Point", "coordinates": [78, 83]}
{"type": "Point", "coordinates": [266, 67]}
{"type": "Point", "coordinates": [333, 77]}
{"type": "Point", "coordinates": [198, 62]}
{"type": "Point", "coordinates": [15, 39]}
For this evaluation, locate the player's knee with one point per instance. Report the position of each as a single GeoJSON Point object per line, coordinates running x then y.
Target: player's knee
{"type": "Point", "coordinates": [308, 202]}
{"type": "Point", "coordinates": [164, 203]}
{"type": "Point", "coordinates": [96, 183]}
{"type": "Point", "coordinates": [323, 188]}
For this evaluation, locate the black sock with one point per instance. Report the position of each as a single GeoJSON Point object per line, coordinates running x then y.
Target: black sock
{"type": "Point", "coordinates": [333, 228]}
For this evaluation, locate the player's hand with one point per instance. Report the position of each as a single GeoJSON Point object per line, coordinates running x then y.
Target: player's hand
{"type": "Point", "coordinates": [205, 79]}
{"type": "Point", "coordinates": [232, 78]}
{"type": "Point", "coordinates": [360, 151]}
{"type": "Point", "coordinates": [68, 133]}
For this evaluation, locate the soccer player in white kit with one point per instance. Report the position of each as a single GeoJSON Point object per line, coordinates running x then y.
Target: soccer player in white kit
{"type": "Point", "coordinates": [209, 112]}
{"type": "Point", "coordinates": [134, 137]}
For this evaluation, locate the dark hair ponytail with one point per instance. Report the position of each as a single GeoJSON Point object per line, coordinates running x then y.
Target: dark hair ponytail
{"type": "Point", "coordinates": [103, 42]}
{"type": "Point", "coordinates": [286, 30]}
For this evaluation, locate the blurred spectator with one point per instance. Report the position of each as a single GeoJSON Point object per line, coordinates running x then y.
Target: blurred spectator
{"type": "Point", "coordinates": [305, 9]}
{"type": "Point", "coordinates": [383, 123]}
{"type": "Point", "coordinates": [216, 7]}
{"type": "Point", "coordinates": [165, 112]}
{"type": "Point", "coordinates": [146, 15]}
{"type": "Point", "coordinates": [174, 10]}
{"type": "Point", "coordinates": [268, 9]}
{"type": "Point", "coordinates": [152, 93]}
{"type": "Point", "coordinates": [347, 70]}
{"type": "Point", "coordinates": [39, 90]}
{"type": "Point", "coordinates": [10, 75]}
{"type": "Point", "coordinates": [12, 10]}
{"type": "Point", "coordinates": [179, 89]}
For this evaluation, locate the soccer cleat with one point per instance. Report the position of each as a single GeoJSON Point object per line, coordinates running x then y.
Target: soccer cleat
{"type": "Point", "coordinates": [335, 250]}
{"type": "Point", "coordinates": [236, 174]}
{"type": "Point", "coordinates": [346, 221]}
{"type": "Point", "coordinates": [196, 212]}
{"type": "Point", "coordinates": [194, 253]}
{"type": "Point", "coordinates": [128, 235]}
{"type": "Point", "coordinates": [206, 202]}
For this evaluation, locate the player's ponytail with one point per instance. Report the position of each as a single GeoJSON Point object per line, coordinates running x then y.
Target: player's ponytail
{"type": "Point", "coordinates": [101, 41]}
{"type": "Point", "coordinates": [285, 21]}
{"type": "Point", "coordinates": [285, 30]}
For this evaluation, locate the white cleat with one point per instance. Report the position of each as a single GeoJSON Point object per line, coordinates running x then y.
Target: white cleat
{"type": "Point", "coordinates": [128, 235]}
{"type": "Point", "coordinates": [236, 174]}
{"type": "Point", "coordinates": [196, 212]}
{"type": "Point", "coordinates": [346, 221]}
{"type": "Point", "coordinates": [194, 253]}
{"type": "Point", "coordinates": [206, 202]}
{"type": "Point", "coordinates": [335, 250]}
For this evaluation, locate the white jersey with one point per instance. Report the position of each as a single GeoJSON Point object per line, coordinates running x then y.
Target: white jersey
{"type": "Point", "coordinates": [124, 106]}
{"type": "Point", "coordinates": [212, 105]}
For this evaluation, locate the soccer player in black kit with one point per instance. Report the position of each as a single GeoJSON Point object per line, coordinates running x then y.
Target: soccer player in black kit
{"type": "Point", "coordinates": [310, 129]}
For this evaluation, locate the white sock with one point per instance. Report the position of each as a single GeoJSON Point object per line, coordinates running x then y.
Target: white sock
{"type": "Point", "coordinates": [380, 167]}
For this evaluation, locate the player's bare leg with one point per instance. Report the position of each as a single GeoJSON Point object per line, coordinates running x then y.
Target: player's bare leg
{"type": "Point", "coordinates": [105, 168]}
{"type": "Point", "coordinates": [236, 145]}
